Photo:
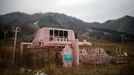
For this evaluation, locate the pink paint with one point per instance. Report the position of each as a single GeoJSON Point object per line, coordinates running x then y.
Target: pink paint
{"type": "Point", "coordinates": [42, 40]}
{"type": "Point", "coordinates": [43, 36]}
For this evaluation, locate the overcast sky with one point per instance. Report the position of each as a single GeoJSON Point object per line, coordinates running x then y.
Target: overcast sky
{"type": "Point", "coordinates": [87, 10]}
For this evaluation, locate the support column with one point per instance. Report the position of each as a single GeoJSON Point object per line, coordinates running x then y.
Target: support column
{"type": "Point", "coordinates": [75, 51]}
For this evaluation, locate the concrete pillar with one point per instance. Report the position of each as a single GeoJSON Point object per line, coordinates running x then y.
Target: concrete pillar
{"type": "Point", "coordinates": [75, 51]}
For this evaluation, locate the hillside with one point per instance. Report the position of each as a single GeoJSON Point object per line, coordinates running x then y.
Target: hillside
{"type": "Point", "coordinates": [35, 21]}
{"type": "Point", "coordinates": [116, 29]}
{"type": "Point", "coordinates": [124, 24]}
{"type": "Point", "coordinates": [31, 23]}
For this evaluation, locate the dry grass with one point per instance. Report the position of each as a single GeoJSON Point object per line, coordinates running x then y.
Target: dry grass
{"type": "Point", "coordinates": [39, 59]}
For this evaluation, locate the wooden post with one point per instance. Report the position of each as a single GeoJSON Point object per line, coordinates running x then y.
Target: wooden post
{"type": "Point", "coordinates": [122, 38]}
{"type": "Point", "coordinates": [5, 34]}
{"type": "Point", "coordinates": [116, 52]}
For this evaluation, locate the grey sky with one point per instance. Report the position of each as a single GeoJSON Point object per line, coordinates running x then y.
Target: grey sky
{"type": "Point", "coordinates": [87, 10]}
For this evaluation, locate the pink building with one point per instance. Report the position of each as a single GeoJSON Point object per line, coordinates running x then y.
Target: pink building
{"type": "Point", "coordinates": [52, 37]}
{"type": "Point", "coordinates": [55, 37]}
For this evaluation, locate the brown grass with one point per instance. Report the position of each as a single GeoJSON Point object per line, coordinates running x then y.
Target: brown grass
{"type": "Point", "coordinates": [39, 59]}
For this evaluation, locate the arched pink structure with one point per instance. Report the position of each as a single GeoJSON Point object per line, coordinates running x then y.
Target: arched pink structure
{"type": "Point", "coordinates": [55, 37]}
{"type": "Point", "coordinates": [52, 37]}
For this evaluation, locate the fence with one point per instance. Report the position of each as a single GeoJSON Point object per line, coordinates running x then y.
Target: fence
{"type": "Point", "coordinates": [99, 56]}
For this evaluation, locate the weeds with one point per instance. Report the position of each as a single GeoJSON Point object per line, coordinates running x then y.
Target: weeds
{"type": "Point", "coordinates": [40, 59]}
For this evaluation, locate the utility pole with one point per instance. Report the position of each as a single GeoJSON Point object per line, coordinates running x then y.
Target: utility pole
{"type": "Point", "coordinates": [14, 48]}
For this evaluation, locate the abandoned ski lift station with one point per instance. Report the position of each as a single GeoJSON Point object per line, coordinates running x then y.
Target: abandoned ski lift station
{"type": "Point", "coordinates": [64, 42]}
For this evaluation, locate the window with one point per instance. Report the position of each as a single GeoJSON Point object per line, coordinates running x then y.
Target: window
{"type": "Point", "coordinates": [55, 32]}
{"type": "Point", "coordinates": [65, 34]}
{"type": "Point", "coordinates": [58, 34]}
{"type": "Point", "coordinates": [61, 33]}
{"type": "Point", "coordinates": [51, 32]}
